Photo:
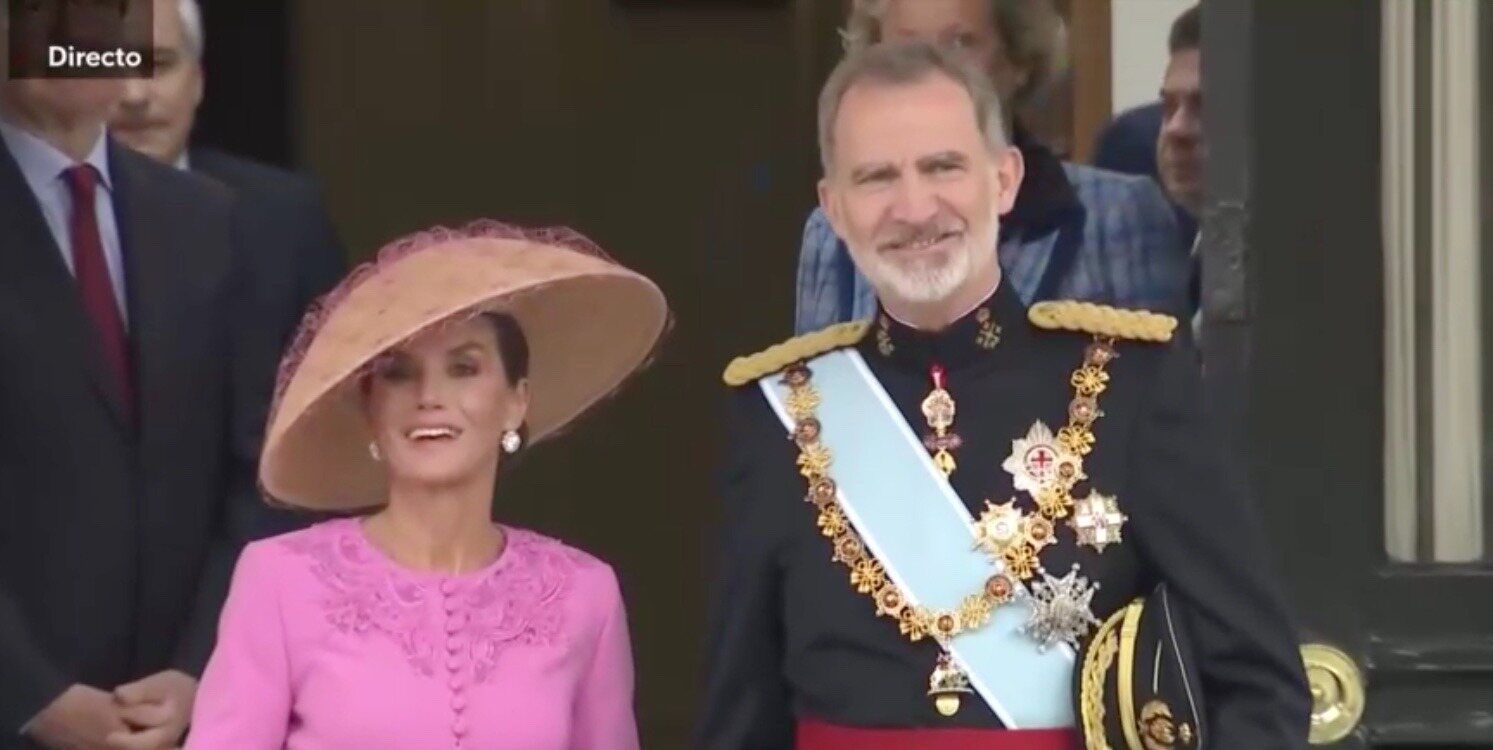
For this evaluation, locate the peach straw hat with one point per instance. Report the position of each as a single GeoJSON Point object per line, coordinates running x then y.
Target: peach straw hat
{"type": "Point", "coordinates": [590, 323]}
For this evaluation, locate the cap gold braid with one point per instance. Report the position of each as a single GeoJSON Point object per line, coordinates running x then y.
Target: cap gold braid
{"type": "Point", "coordinates": [1102, 320]}
{"type": "Point", "coordinates": [743, 370]}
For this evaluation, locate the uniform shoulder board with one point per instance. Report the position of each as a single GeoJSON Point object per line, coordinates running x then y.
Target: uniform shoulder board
{"type": "Point", "coordinates": [1102, 320]}
{"type": "Point", "coordinates": [775, 358]}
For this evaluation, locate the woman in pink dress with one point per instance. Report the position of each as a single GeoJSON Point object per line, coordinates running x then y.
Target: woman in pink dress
{"type": "Point", "coordinates": [417, 623]}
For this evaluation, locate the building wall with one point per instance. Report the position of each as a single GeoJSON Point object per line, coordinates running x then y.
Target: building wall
{"type": "Point", "coordinates": [1138, 45]}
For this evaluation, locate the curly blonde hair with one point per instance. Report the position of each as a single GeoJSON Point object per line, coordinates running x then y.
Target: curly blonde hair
{"type": "Point", "coordinates": [1033, 36]}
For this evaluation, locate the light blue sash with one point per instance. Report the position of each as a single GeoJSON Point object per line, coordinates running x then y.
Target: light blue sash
{"type": "Point", "coordinates": [910, 518]}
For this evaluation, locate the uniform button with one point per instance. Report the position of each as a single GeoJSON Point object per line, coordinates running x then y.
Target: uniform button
{"type": "Point", "coordinates": [455, 623]}
{"type": "Point", "coordinates": [451, 605]}
{"type": "Point", "coordinates": [458, 703]}
{"type": "Point", "coordinates": [455, 683]}
{"type": "Point", "coordinates": [460, 727]}
{"type": "Point", "coordinates": [453, 663]}
{"type": "Point", "coordinates": [448, 587]}
{"type": "Point", "coordinates": [453, 644]}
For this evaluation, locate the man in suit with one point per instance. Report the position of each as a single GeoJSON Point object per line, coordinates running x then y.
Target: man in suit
{"type": "Point", "coordinates": [1164, 139]}
{"type": "Point", "coordinates": [119, 483]}
{"type": "Point", "coordinates": [294, 254]}
{"type": "Point", "coordinates": [1181, 149]}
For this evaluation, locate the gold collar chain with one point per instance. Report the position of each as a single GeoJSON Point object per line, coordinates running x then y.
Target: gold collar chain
{"type": "Point", "coordinates": [1013, 539]}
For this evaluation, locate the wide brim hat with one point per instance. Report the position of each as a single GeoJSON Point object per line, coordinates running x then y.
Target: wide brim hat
{"type": "Point", "coordinates": [589, 322]}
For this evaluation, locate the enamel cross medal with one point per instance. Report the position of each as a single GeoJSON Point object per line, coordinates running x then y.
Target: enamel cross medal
{"type": "Point", "coordinates": [1039, 462]}
{"type": "Point", "coordinates": [938, 409]}
{"type": "Point", "coordinates": [1097, 520]}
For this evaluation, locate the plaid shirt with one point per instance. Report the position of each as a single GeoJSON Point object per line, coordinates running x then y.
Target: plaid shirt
{"type": "Point", "coordinates": [1117, 244]}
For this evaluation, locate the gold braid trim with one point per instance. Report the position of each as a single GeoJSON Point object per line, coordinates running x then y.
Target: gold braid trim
{"type": "Point", "coordinates": [1102, 320]}
{"type": "Point", "coordinates": [1096, 666]}
{"type": "Point", "coordinates": [743, 370]}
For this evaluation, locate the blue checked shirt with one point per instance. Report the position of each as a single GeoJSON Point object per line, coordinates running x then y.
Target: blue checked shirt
{"type": "Point", "coordinates": [1118, 245]}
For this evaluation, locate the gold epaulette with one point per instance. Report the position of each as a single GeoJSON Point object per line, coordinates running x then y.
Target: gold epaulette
{"type": "Point", "coordinates": [1102, 320]}
{"type": "Point", "coordinates": [743, 370]}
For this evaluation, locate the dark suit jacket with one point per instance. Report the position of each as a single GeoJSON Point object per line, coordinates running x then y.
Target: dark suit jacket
{"type": "Point", "coordinates": [1128, 145]}
{"type": "Point", "coordinates": [293, 256]}
{"type": "Point", "coordinates": [117, 537]}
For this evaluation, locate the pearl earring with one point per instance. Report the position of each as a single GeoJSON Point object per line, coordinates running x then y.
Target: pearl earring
{"type": "Point", "coordinates": [374, 451]}
{"type": "Point", "coordinates": [512, 441]}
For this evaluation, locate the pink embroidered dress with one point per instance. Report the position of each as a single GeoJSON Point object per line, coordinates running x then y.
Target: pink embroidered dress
{"type": "Point", "coordinates": [327, 644]}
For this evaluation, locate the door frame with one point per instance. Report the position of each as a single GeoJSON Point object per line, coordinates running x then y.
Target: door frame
{"type": "Point", "coordinates": [1091, 86]}
{"type": "Point", "coordinates": [1293, 344]}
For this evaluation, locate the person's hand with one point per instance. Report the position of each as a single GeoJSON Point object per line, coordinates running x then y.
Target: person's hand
{"type": "Point", "coordinates": [156, 711]}
{"type": "Point", "coordinates": [82, 718]}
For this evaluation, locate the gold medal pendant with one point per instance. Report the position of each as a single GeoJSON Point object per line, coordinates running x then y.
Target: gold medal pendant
{"type": "Point", "coordinates": [939, 409]}
{"type": "Point", "coordinates": [946, 684]}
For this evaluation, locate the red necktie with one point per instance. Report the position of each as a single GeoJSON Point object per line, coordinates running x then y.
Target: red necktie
{"type": "Point", "coordinates": [92, 274]}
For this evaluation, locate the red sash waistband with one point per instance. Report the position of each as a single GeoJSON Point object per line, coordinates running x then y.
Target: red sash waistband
{"type": "Point", "coordinates": [813, 735]}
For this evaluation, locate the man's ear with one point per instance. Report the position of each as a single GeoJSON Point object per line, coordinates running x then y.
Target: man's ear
{"type": "Point", "coordinates": [829, 203]}
{"type": "Point", "coordinates": [1008, 168]}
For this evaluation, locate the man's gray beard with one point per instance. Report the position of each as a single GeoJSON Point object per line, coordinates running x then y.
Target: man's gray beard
{"type": "Point", "coordinates": [926, 282]}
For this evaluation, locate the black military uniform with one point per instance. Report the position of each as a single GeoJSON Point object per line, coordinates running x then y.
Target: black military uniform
{"type": "Point", "coordinates": [792, 641]}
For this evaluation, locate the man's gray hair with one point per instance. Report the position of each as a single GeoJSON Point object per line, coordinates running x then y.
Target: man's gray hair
{"type": "Point", "coordinates": [190, 14]}
{"type": "Point", "coordinates": [903, 64]}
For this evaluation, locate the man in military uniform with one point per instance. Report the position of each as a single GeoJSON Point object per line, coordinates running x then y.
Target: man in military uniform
{"type": "Point", "coordinates": [988, 526]}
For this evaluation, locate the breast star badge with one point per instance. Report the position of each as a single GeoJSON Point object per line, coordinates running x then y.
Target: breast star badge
{"type": "Point", "coordinates": [1061, 609]}
{"type": "Point", "coordinates": [1097, 520]}
{"type": "Point", "coordinates": [1039, 461]}
{"type": "Point", "coordinates": [1000, 527]}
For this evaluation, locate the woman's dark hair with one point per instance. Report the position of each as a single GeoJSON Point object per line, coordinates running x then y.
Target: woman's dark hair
{"type": "Point", "coordinates": [513, 349]}
{"type": "Point", "coordinates": [513, 345]}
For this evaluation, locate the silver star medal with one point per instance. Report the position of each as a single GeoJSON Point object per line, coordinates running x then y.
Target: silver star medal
{"type": "Point", "coordinates": [1061, 609]}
